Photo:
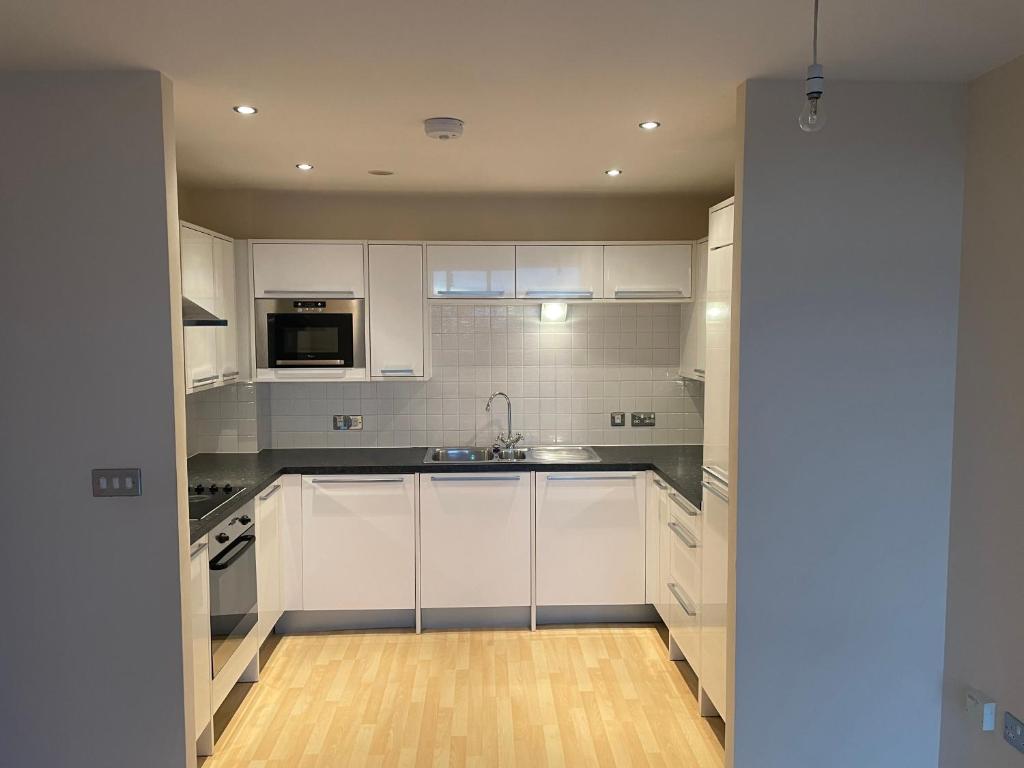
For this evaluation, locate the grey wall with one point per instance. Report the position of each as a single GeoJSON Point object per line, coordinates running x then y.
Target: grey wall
{"type": "Point", "coordinates": [244, 213]}
{"type": "Point", "coordinates": [985, 626]}
{"type": "Point", "coordinates": [849, 253]}
{"type": "Point", "coordinates": [92, 650]}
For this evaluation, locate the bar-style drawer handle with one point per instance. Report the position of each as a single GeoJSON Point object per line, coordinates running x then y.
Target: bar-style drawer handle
{"type": "Point", "coordinates": [312, 292]}
{"type": "Point", "coordinates": [397, 372]}
{"type": "Point", "coordinates": [679, 502]}
{"type": "Point", "coordinates": [467, 294]}
{"type": "Point", "coordinates": [629, 293]}
{"type": "Point", "coordinates": [197, 548]}
{"type": "Point", "coordinates": [681, 598]}
{"type": "Point", "coordinates": [682, 534]}
{"type": "Point", "coordinates": [547, 294]}
{"type": "Point", "coordinates": [231, 375]}
{"type": "Point", "coordinates": [205, 379]}
{"type": "Point", "coordinates": [270, 493]}
{"type": "Point", "coordinates": [460, 478]}
{"type": "Point", "coordinates": [699, 370]}
{"type": "Point", "coordinates": [609, 476]}
{"type": "Point", "coordinates": [714, 490]}
{"type": "Point", "coordinates": [660, 484]}
{"type": "Point", "coordinates": [339, 480]}
{"type": "Point", "coordinates": [716, 473]}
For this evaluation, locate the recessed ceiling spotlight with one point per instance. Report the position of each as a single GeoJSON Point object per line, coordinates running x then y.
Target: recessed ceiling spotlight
{"type": "Point", "coordinates": [304, 167]}
{"type": "Point", "coordinates": [379, 172]}
{"type": "Point", "coordinates": [613, 172]}
{"type": "Point", "coordinates": [650, 125]}
{"type": "Point", "coordinates": [245, 109]}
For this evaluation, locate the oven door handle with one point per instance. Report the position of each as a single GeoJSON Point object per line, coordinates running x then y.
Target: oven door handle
{"type": "Point", "coordinates": [219, 563]}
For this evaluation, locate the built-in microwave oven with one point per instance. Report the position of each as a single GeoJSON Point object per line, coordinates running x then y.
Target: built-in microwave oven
{"type": "Point", "coordinates": [310, 333]}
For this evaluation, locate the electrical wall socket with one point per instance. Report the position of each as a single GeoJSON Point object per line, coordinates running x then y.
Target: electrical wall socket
{"type": "Point", "coordinates": [117, 482]}
{"type": "Point", "coordinates": [643, 419]}
{"type": "Point", "coordinates": [1013, 731]}
{"type": "Point", "coordinates": [348, 422]}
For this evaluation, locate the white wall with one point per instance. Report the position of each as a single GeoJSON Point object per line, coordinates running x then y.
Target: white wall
{"type": "Point", "coordinates": [985, 625]}
{"type": "Point", "coordinates": [849, 252]}
{"type": "Point", "coordinates": [91, 650]}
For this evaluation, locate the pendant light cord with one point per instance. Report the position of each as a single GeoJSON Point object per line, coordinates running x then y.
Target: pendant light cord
{"type": "Point", "coordinates": [815, 35]}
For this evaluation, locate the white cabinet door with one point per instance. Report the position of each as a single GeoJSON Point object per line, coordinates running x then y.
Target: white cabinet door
{"type": "Point", "coordinates": [655, 485]}
{"type": "Point", "coordinates": [475, 540]}
{"type": "Point", "coordinates": [269, 587]}
{"type": "Point", "coordinates": [720, 225]}
{"type": "Point", "coordinates": [590, 538]}
{"type": "Point", "coordinates": [560, 271]}
{"type": "Point", "coordinates": [333, 270]}
{"type": "Point", "coordinates": [291, 541]}
{"type": "Point", "coordinates": [465, 271]}
{"type": "Point", "coordinates": [647, 271]}
{"type": "Point", "coordinates": [358, 542]}
{"type": "Point", "coordinates": [198, 269]}
{"type": "Point", "coordinates": [714, 593]}
{"type": "Point", "coordinates": [227, 308]}
{"type": "Point", "coordinates": [693, 329]}
{"type": "Point", "coordinates": [202, 663]}
{"type": "Point", "coordinates": [396, 310]}
{"type": "Point", "coordinates": [718, 357]}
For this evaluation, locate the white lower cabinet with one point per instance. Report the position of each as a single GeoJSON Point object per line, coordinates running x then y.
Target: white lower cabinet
{"type": "Point", "coordinates": [475, 540]}
{"type": "Point", "coordinates": [269, 563]}
{"type": "Point", "coordinates": [714, 593]}
{"type": "Point", "coordinates": [590, 538]}
{"type": "Point", "coordinates": [358, 542]}
{"type": "Point", "coordinates": [684, 577]}
{"type": "Point", "coordinates": [202, 662]}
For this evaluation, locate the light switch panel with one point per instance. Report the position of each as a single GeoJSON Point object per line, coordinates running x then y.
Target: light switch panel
{"type": "Point", "coordinates": [642, 419]}
{"type": "Point", "coordinates": [618, 419]}
{"type": "Point", "coordinates": [1013, 731]}
{"type": "Point", "coordinates": [117, 482]}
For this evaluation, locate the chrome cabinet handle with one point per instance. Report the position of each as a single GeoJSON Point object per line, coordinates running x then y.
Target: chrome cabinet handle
{"type": "Point", "coordinates": [547, 294]}
{"type": "Point", "coordinates": [681, 598]}
{"type": "Point", "coordinates": [457, 478]}
{"type": "Point", "coordinates": [682, 504]}
{"type": "Point", "coordinates": [629, 293]}
{"type": "Point", "coordinates": [699, 370]}
{"type": "Point", "coordinates": [716, 473]}
{"type": "Point", "coordinates": [231, 375]}
{"type": "Point", "coordinates": [272, 491]}
{"type": "Point", "coordinates": [714, 490]}
{"type": "Point", "coordinates": [660, 484]}
{"type": "Point", "coordinates": [397, 372]}
{"type": "Point", "coordinates": [197, 548]}
{"type": "Point", "coordinates": [468, 294]}
{"type": "Point", "coordinates": [205, 379]}
{"type": "Point", "coordinates": [608, 476]}
{"type": "Point", "coordinates": [339, 480]}
{"type": "Point", "coordinates": [682, 534]}
{"type": "Point", "coordinates": [312, 292]}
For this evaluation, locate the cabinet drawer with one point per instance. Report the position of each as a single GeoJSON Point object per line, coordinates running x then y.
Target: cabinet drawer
{"type": "Point", "coordinates": [684, 626]}
{"type": "Point", "coordinates": [684, 559]}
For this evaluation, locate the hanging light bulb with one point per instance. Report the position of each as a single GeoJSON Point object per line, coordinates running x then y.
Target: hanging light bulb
{"type": "Point", "coordinates": [812, 116]}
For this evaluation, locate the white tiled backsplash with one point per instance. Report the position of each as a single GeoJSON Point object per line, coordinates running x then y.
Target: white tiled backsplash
{"type": "Point", "coordinates": [564, 380]}
{"type": "Point", "coordinates": [223, 420]}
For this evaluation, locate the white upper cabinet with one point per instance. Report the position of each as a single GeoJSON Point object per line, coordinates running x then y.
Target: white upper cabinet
{"type": "Point", "coordinates": [559, 271]}
{"type": "Point", "coordinates": [647, 271]}
{"type": "Point", "coordinates": [475, 540]}
{"type": "Point", "coordinates": [718, 356]}
{"type": "Point", "coordinates": [227, 307]}
{"type": "Point", "coordinates": [693, 318]}
{"type": "Point", "coordinates": [396, 310]}
{"type": "Point", "coordinates": [359, 542]}
{"type": "Point", "coordinates": [308, 269]}
{"type": "Point", "coordinates": [466, 271]}
{"type": "Point", "coordinates": [590, 538]}
{"type": "Point", "coordinates": [721, 225]}
{"type": "Point", "coordinates": [198, 270]}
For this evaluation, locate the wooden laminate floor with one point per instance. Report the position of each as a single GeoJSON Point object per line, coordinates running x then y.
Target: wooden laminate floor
{"type": "Point", "coordinates": [604, 696]}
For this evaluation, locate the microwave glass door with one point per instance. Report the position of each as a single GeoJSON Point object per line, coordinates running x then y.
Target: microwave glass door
{"type": "Point", "coordinates": [310, 340]}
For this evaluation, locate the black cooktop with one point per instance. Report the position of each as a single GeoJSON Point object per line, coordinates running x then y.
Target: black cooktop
{"type": "Point", "coordinates": [202, 500]}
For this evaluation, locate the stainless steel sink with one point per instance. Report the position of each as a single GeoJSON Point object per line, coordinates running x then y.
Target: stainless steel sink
{"type": "Point", "coordinates": [544, 454]}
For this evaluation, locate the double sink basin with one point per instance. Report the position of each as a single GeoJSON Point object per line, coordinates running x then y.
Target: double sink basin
{"type": "Point", "coordinates": [543, 454]}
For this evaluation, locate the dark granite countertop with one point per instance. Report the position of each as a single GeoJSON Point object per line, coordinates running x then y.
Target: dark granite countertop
{"type": "Point", "coordinates": [678, 465]}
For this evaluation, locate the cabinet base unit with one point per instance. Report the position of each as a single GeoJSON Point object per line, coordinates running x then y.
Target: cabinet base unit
{"type": "Point", "coordinates": [358, 542]}
{"type": "Point", "coordinates": [590, 538]}
{"type": "Point", "coordinates": [304, 622]}
{"type": "Point", "coordinates": [475, 540]}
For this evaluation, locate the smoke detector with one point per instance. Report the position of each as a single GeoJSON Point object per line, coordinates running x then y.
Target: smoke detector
{"type": "Point", "coordinates": [443, 128]}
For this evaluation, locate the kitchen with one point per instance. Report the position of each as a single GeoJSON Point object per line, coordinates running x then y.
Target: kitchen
{"type": "Point", "coordinates": [440, 384]}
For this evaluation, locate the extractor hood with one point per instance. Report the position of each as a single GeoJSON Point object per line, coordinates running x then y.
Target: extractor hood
{"type": "Point", "coordinates": [194, 315]}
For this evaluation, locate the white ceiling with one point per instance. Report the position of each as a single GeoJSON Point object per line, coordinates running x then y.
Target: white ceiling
{"type": "Point", "coordinates": [551, 90]}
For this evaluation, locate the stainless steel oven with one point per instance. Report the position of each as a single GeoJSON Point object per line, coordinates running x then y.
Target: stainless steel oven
{"type": "Point", "coordinates": [232, 585]}
{"type": "Point", "coordinates": [310, 333]}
